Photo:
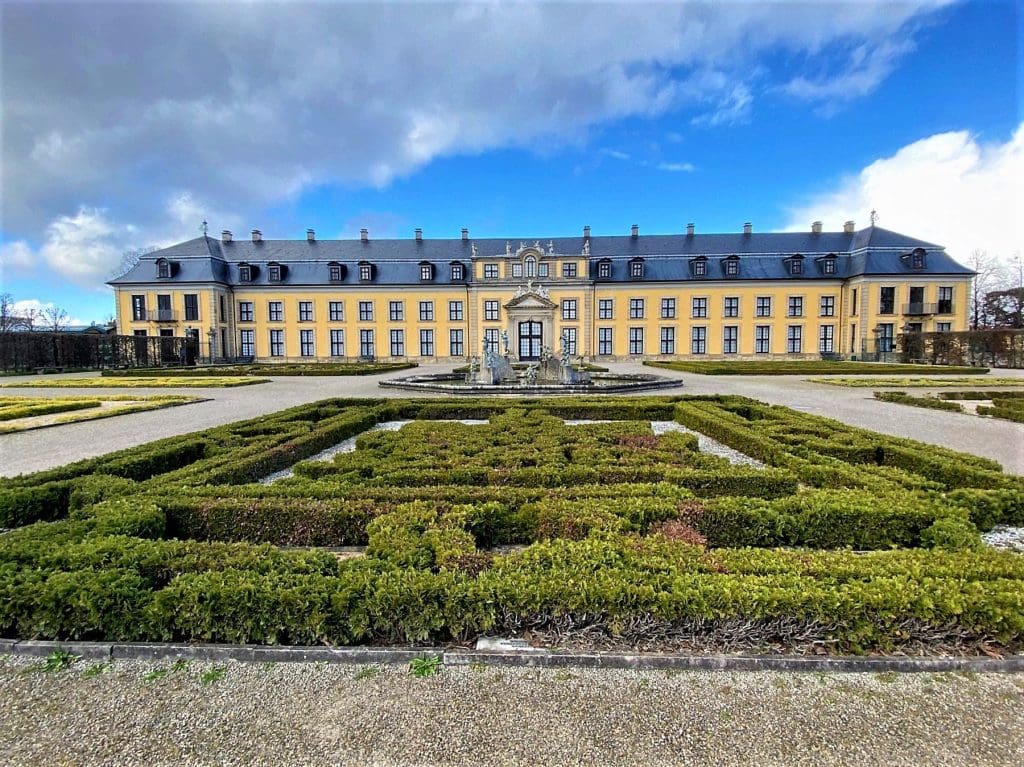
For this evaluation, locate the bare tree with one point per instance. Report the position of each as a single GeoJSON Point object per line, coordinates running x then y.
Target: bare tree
{"type": "Point", "coordinates": [54, 318]}
{"type": "Point", "coordinates": [989, 277]}
{"type": "Point", "coordinates": [12, 319]}
{"type": "Point", "coordinates": [130, 258]}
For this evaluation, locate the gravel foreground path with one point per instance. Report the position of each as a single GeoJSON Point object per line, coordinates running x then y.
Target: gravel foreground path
{"type": "Point", "coordinates": [311, 714]}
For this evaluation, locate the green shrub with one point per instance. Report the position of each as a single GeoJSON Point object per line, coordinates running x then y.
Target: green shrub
{"type": "Point", "coordinates": [23, 505]}
{"type": "Point", "coordinates": [951, 533]}
{"type": "Point", "coordinates": [927, 402]}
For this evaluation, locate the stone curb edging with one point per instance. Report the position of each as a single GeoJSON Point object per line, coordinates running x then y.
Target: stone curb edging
{"type": "Point", "coordinates": [530, 658]}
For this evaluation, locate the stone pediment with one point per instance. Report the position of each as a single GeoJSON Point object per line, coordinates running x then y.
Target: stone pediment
{"type": "Point", "coordinates": [530, 300]}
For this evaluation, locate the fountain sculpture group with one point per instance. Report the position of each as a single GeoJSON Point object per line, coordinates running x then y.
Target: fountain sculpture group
{"type": "Point", "coordinates": [493, 368]}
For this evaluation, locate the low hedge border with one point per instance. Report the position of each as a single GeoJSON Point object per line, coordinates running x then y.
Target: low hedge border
{"type": "Point", "coordinates": [903, 398]}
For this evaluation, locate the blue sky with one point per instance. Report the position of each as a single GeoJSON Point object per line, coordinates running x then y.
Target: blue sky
{"type": "Point", "coordinates": [509, 119]}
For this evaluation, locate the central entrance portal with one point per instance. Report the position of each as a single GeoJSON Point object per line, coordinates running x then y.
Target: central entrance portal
{"type": "Point", "coordinates": [531, 336]}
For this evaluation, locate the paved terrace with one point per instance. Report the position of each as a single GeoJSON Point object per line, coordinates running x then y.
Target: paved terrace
{"type": "Point", "coordinates": [46, 448]}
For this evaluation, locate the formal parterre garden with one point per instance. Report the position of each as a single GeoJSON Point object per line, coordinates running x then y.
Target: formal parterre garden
{"type": "Point", "coordinates": [1008, 405]}
{"type": "Point", "coordinates": [25, 413]}
{"type": "Point", "coordinates": [828, 539]}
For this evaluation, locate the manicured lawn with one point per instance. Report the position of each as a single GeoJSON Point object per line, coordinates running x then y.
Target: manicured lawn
{"type": "Point", "coordinates": [807, 367]}
{"type": "Point", "coordinates": [283, 369]}
{"type": "Point", "coordinates": [165, 382]}
{"type": "Point", "coordinates": [919, 382]}
{"type": "Point", "coordinates": [25, 413]}
{"type": "Point", "coordinates": [834, 538]}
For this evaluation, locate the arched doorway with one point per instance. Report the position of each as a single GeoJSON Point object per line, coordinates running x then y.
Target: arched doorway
{"type": "Point", "coordinates": [531, 338]}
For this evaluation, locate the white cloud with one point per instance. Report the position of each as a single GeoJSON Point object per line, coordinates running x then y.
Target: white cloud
{"type": "Point", "coordinates": [16, 256]}
{"type": "Point", "coordinates": [950, 189]}
{"type": "Point", "coordinates": [615, 154]}
{"type": "Point", "coordinates": [33, 307]}
{"type": "Point", "coordinates": [676, 167]}
{"type": "Point", "coordinates": [734, 108]}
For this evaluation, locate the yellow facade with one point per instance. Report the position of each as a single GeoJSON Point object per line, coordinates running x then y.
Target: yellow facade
{"type": "Point", "coordinates": [448, 322]}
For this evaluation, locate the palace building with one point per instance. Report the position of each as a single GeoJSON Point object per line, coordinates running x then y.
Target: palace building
{"type": "Point", "coordinates": [667, 296]}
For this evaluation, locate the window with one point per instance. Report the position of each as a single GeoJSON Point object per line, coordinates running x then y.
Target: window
{"type": "Point", "coordinates": [244, 273]}
{"type": "Point", "coordinates": [636, 308]}
{"type": "Point", "coordinates": [427, 343]}
{"type": "Point", "coordinates": [426, 272]}
{"type": "Point", "coordinates": [636, 340]}
{"type": "Point", "coordinates": [732, 267]}
{"type": "Point", "coordinates": [700, 267]}
{"type": "Point", "coordinates": [305, 311]}
{"type": "Point", "coordinates": [274, 272]}
{"type": "Point", "coordinates": [366, 273]}
{"type": "Point", "coordinates": [334, 272]}
{"type": "Point", "coordinates": [887, 301]}
{"type": "Point", "coordinates": [220, 306]}
{"type": "Point", "coordinates": [569, 309]}
{"type": "Point", "coordinates": [796, 266]}
{"type": "Point", "coordinates": [491, 310]}
{"type": "Point", "coordinates": [828, 266]}
{"type": "Point", "coordinates": [139, 333]}
{"type": "Point", "coordinates": [569, 334]}
{"type": "Point", "coordinates": [731, 306]}
{"type": "Point", "coordinates": [668, 340]}
{"type": "Point", "coordinates": [917, 259]}
{"type": "Point", "coordinates": [605, 308]}
{"type": "Point", "coordinates": [247, 345]}
{"type": "Point", "coordinates": [366, 348]}
{"type": "Point", "coordinates": [456, 346]}
{"type": "Point", "coordinates": [796, 306]}
{"type": "Point", "coordinates": [763, 306]}
{"type": "Point", "coordinates": [245, 311]}
{"type": "Point", "coordinates": [490, 271]}
{"type": "Point", "coordinates": [396, 311]}
{"type": "Point", "coordinates": [794, 339]}
{"type": "Point", "coordinates": [306, 343]}
{"type": "Point", "coordinates": [336, 311]}
{"type": "Point", "coordinates": [730, 339]}
{"type": "Point", "coordinates": [397, 343]}
{"type": "Point", "coordinates": [668, 308]}
{"type": "Point", "coordinates": [945, 300]}
{"type": "Point", "coordinates": [337, 343]}
{"type": "Point", "coordinates": [276, 343]}
{"type": "Point", "coordinates": [699, 340]}
{"type": "Point", "coordinates": [455, 311]}
{"type": "Point", "coordinates": [699, 307]}
{"type": "Point", "coordinates": [827, 306]}
{"type": "Point", "coordinates": [636, 269]}
{"type": "Point", "coordinates": [762, 339]}
{"type": "Point", "coordinates": [366, 311]}
{"type": "Point", "coordinates": [604, 341]}
{"type": "Point", "coordinates": [191, 307]}
{"type": "Point", "coordinates": [457, 271]}
{"type": "Point", "coordinates": [138, 308]}
{"type": "Point", "coordinates": [492, 338]}
{"type": "Point", "coordinates": [542, 269]}
{"type": "Point", "coordinates": [531, 266]}
{"type": "Point", "coordinates": [517, 270]}
{"type": "Point", "coordinates": [275, 311]}
{"type": "Point", "coordinates": [569, 269]}
{"type": "Point", "coordinates": [943, 327]}
{"type": "Point", "coordinates": [853, 304]}
{"type": "Point", "coordinates": [604, 270]}
{"type": "Point", "coordinates": [826, 338]}
{"type": "Point", "coordinates": [426, 311]}
{"type": "Point", "coordinates": [885, 337]}
{"type": "Point", "coordinates": [163, 269]}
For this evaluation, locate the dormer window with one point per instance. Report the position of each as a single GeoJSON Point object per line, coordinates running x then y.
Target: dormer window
{"type": "Point", "coordinates": [828, 266]}
{"type": "Point", "coordinates": [426, 271]}
{"type": "Point", "coordinates": [245, 273]}
{"type": "Point", "coordinates": [732, 266]}
{"type": "Point", "coordinates": [335, 272]}
{"type": "Point", "coordinates": [274, 272]}
{"type": "Point", "coordinates": [604, 269]}
{"type": "Point", "coordinates": [917, 259]}
{"type": "Point", "coordinates": [458, 271]}
{"type": "Point", "coordinates": [163, 268]}
{"type": "Point", "coordinates": [636, 269]}
{"type": "Point", "coordinates": [365, 271]}
{"type": "Point", "coordinates": [699, 266]}
{"type": "Point", "coordinates": [796, 265]}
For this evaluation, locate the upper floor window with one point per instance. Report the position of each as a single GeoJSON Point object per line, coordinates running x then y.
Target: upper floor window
{"type": "Point", "coordinates": [604, 269]}
{"type": "Point", "coordinates": [426, 311]}
{"type": "Point", "coordinates": [491, 310]}
{"type": "Point", "coordinates": [796, 265]}
{"type": "Point", "coordinates": [366, 311]}
{"type": "Point", "coordinates": [531, 266]}
{"type": "Point", "coordinates": [455, 312]}
{"type": "Point", "coordinates": [426, 272]}
{"type": "Point", "coordinates": [336, 311]}
{"type": "Point", "coordinates": [245, 312]}
{"type": "Point", "coordinates": [139, 307]}
{"type": "Point", "coordinates": [699, 307]}
{"type": "Point", "coordinates": [828, 266]}
{"type": "Point", "coordinates": [732, 266]}
{"type": "Point", "coordinates": [517, 270]}
{"type": "Point", "coordinates": [636, 268]}
{"type": "Point", "coordinates": [945, 300]}
{"type": "Point", "coordinates": [275, 311]}
{"type": "Point", "coordinates": [244, 273]}
{"type": "Point", "coordinates": [542, 269]}
{"type": "Point", "coordinates": [490, 271]}
{"type": "Point", "coordinates": [731, 306]}
{"type": "Point", "coordinates": [796, 306]}
{"type": "Point", "coordinates": [605, 309]}
{"type": "Point", "coordinates": [274, 272]}
{"type": "Point", "coordinates": [700, 266]}
{"type": "Point", "coordinates": [191, 307]}
{"type": "Point", "coordinates": [569, 269]}
{"type": "Point", "coordinates": [668, 308]}
{"type": "Point", "coordinates": [457, 271]}
{"type": "Point", "coordinates": [636, 308]}
{"type": "Point", "coordinates": [569, 309]}
{"type": "Point", "coordinates": [763, 305]}
{"type": "Point", "coordinates": [828, 306]}
{"type": "Point", "coordinates": [396, 311]}
{"type": "Point", "coordinates": [887, 300]}
{"type": "Point", "coordinates": [305, 311]}
{"type": "Point", "coordinates": [163, 268]}
{"type": "Point", "coordinates": [917, 259]}
{"type": "Point", "coordinates": [335, 273]}
{"type": "Point", "coordinates": [365, 271]}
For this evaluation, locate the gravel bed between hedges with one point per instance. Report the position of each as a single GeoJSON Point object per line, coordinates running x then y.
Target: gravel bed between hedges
{"type": "Point", "coordinates": [310, 714]}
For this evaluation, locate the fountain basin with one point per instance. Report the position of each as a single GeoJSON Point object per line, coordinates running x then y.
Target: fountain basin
{"type": "Point", "coordinates": [600, 383]}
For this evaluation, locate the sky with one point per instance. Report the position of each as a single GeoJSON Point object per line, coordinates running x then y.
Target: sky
{"type": "Point", "coordinates": [126, 125]}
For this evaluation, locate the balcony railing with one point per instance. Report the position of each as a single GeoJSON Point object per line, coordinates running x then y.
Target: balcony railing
{"type": "Point", "coordinates": [919, 309]}
{"type": "Point", "coordinates": [161, 315]}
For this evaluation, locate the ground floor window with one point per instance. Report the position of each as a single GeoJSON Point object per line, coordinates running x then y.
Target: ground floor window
{"type": "Point", "coordinates": [826, 339]}
{"type": "Point", "coordinates": [337, 343]}
{"type": "Point", "coordinates": [366, 348]}
{"type": "Point", "coordinates": [668, 340]}
{"type": "Point", "coordinates": [276, 343]}
{"type": "Point", "coordinates": [426, 343]}
{"type": "Point", "coordinates": [569, 340]}
{"type": "Point", "coordinates": [456, 343]}
{"type": "Point", "coordinates": [397, 343]}
{"type": "Point", "coordinates": [762, 339]}
{"type": "Point", "coordinates": [492, 339]}
{"type": "Point", "coordinates": [794, 339]}
{"type": "Point", "coordinates": [636, 340]}
{"type": "Point", "coordinates": [886, 341]}
{"type": "Point", "coordinates": [943, 327]}
{"type": "Point", "coordinates": [730, 339]}
{"type": "Point", "coordinates": [699, 340]}
{"type": "Point", "coordinates": [247, 343]}
{"type": "Point", "coordinates": [604, 341]}
{"type": "Point", "coordinates": [306, 343]}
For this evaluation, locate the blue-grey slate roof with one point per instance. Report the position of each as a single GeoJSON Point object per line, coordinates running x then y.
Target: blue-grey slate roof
{"type": "Point", "coordinates": [667, 258]}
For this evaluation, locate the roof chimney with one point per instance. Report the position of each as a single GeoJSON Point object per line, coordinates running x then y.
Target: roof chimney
{"type": "Point", "coordinates": [419, 234]}
{"type": "Point", "coordinates": [748, 228]}
{"type": "Point", "coordinates": [225, 236]}
{"type": "Point", "coordinates": [586, 233]}
{"type": "Point", "coordinates": [465, 234]}
{"type": "Point", "coordinates": [816, 227]}
{"type": "Point", "coordinates": [689, 230]}
{"type": "Point", "coordinates": [635, 232]}
{"type": "Point", "coordinates": [364, 235]}
{"type": "Point", "coordinates": [257, 235]}
{"type": "Point", "coordinates": [310, 235]}
{"type": "Point", "coordinates": [848, 227]}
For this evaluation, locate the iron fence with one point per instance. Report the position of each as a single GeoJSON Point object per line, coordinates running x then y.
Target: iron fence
{"type": "Point", "coordinates": [29, 351]}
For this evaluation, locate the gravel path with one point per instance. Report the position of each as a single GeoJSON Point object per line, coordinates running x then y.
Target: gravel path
{"type": "Point", "coordinates": [46, 448]}
{"type": "Point", "coordinates": [308, 714]}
